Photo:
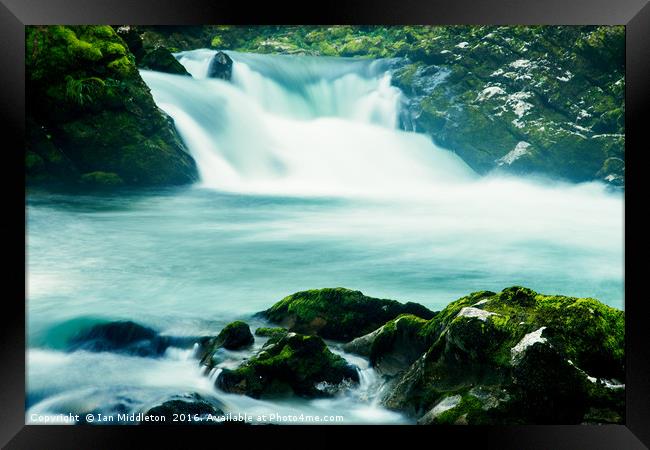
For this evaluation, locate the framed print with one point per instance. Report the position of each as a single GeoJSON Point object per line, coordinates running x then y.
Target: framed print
{"type": "Point", "coordinates": [413, 218]}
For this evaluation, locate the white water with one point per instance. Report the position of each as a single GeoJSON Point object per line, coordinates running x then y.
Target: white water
{"type": "Point", "coordinates": [306, 182]}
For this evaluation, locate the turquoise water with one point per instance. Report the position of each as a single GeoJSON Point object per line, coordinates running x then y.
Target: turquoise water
{"type": "Point", "coordinates": [328, 197]}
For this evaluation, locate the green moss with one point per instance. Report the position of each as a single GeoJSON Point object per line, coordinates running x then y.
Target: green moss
{"type": "Point", "coordinates": [338, 313]}
{"type": "Point", "coordinates": [296, 364]}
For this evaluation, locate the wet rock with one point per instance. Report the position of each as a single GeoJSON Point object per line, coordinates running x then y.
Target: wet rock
{"type": "Point", "coordinates": [338, 313]}
{"type": "Point", "coordinates": [220, 66]}
{"type": "Point", "coordinates": [187, 409]}
{"type": "Point", "coordinates": [234, 336]}
{"type": "Point", "coordinates": [120, 337]}
{"type": "Point", "coordinates": [296, 364]}
{"type": "Point", "coordinates": [512, 357]}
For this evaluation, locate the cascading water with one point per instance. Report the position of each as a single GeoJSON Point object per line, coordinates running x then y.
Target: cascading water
{"type": "Point", "coordinates": [300, 126]}
{"type": "Point", "coordinates": [306, 182]}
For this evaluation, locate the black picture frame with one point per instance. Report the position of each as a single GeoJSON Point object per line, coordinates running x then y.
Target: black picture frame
{"type": "Point", "coordinates": [15, 14]}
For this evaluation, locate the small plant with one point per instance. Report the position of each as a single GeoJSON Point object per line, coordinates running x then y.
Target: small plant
{"type": "Point", "coordinates": [81, 91]}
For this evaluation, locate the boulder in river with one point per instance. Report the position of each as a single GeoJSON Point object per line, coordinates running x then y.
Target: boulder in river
{"type": "Point", "coordinates": [119, 337]}
{"type": "Point", "coordinates": [338, 313]}
{"type": "Point", "coordinates": [234, 336]}
{"type": "Point", "coordinates": [296, 364]}
{"type": "Point", "coordinates": [220, 66]}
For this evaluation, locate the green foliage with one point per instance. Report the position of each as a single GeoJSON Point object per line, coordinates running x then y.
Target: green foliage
{"type": "Point", "coordinates": [82, 91]}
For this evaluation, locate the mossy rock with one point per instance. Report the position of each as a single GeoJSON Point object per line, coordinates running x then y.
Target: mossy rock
{"type": "Point", "coordinates": [160, 59]}
{"type": "Point", "coordinates": [84, 93]}
{"type": "Point", "coordinates": [338, 313]}
{"type": "Point", "coordinates": [274, 334]}
{"type": "Point", "coordinates": [550, 355]}
{"type": "Point", "coordinates": [234, 336]}
{"type": "Point", "coordinates": [295, 364]}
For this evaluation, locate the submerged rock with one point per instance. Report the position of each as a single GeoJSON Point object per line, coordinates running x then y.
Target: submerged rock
{"type": "Point", "coordinates": [186, 409]}
{"type": "Point", "coordinates": [120, 337]}
{"type": "Point", "coordinates": [296, 364]}
{"type": "Point", "coordinates": [338, 313]}
{"type": "Point", "coordinates": [220, 66]}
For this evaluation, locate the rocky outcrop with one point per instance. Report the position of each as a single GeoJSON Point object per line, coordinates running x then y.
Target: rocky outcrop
{"type": "Point", "coordinates": [295, 364]}
{"type": "Point", "coordinates": [340, 314]}
{"type": "Point", "coordinates": [90, 117]}
{"type": "Point", "coordinates": [515, 357]}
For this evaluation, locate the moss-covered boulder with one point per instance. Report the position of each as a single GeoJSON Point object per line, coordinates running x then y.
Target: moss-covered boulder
{"type": "Point", "coordinates": [338, 313]}
{"type": "Point", "coordinates": [295, 364]}
{"type": "Point", "coordinates": [512, 357]}
{"type": "Point", "coordinates": [160, 59]}
{"type": "Point", "coordinates": [234, 336]}
{"type": "Point", "coordinates": [91, 118]}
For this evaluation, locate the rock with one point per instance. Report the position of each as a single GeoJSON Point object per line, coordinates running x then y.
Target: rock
{"type": "Point", "coordinates": [398, 344]}
{"type": "Point", "coordinates": [274, 334]}
{"type": "Point", "coordinates": [296, 364]}
{"type": "Point", "coordinates": [234, 336]}
{"type": "Point", "coordinates": [363, 344]}
{"type": "Point", "coordinates": [202, 411]}
{"type": "Point", "coordinates": [132, 38]}
{"type": "Point", "coordinates": [120, 337]}
{"type": "Point", "coordinates": [220, 66]}
{"type": "Point", "coordinates": [90, 112]}
{"type": "Point", "coordinates": [547, 388]}
{"type": "Point", "coordinates": [512, 357]}
{"type": "Point", "coordinates": [338, 313]}
{"type": "Point", "coordinates": [160, 59]}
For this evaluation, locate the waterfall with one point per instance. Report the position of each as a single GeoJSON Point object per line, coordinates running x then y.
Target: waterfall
{"type": "Point", "coordinates": [300, 125]}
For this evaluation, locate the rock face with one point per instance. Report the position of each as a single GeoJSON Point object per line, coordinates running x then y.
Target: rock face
{"type": "Point", "coordinates": [120, 337]}
{"type": "Point", "coordinates": [234, 336]}
{"type": "Point", "coordinates": [338, 313]}
{"type": "Point", "coordinates": [527, 358]}
{"type": "Point", "coordinates": [541, 99]}
{"type": "Point", "coordinates": [220, 66]}
{"type": "Point", "coordinates": [91, 118]}
{"type": "Point", "coordinates": [295, 364]}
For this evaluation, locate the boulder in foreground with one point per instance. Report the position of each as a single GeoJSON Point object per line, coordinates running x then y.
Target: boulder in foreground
{"type": "Point", "coordinates": [510, 358]}
{"type": "Point", "coordinates": [296, 364]}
